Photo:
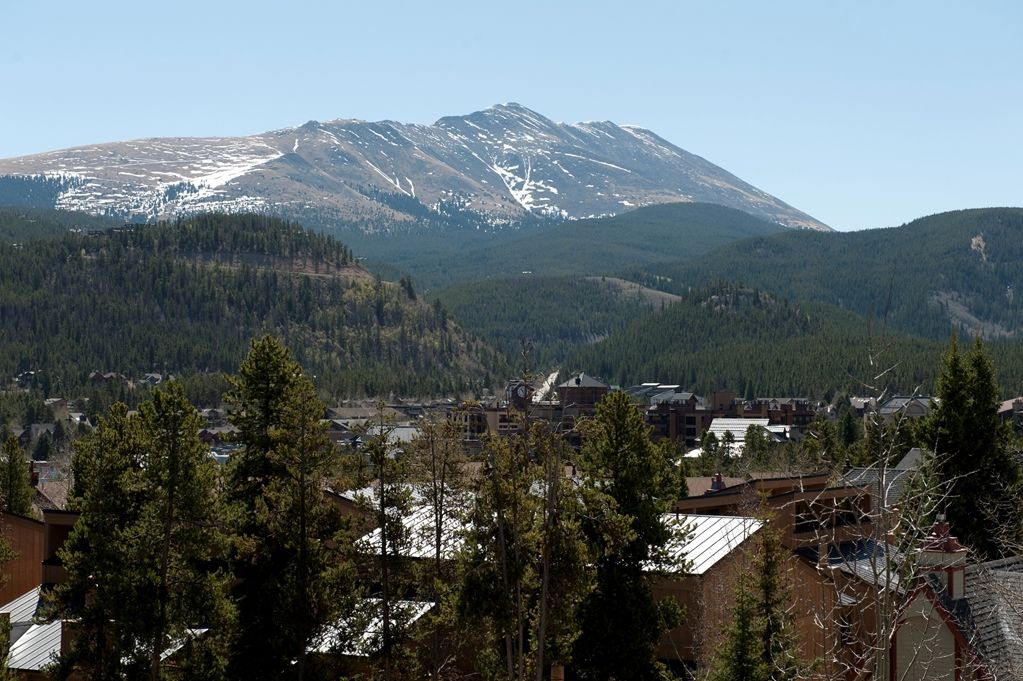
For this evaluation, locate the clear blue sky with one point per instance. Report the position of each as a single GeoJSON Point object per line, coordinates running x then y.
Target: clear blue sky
{"type": "Point", "coordinates": [862, 114]}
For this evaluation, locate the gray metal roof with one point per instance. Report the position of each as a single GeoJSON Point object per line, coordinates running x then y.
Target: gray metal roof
{"type": "Point", "coordinates": [584, 381]}
{"type": "Point", "coordinates": [737, 427]}
{"type": "Point", "coordinates": [888, 491]}
{"type": "Point", "coordinates": [36, 648]}
{"type": "Point", "coordinates": [421, 533]}
{"type": "Point", "coordinates": [359, 633]}
{"type": "Point", "coordinates": [713, 537]}
{"type": "Point", "coordinates": [22, 608]}
{"type": "Point", "coordinates": [670, 396]}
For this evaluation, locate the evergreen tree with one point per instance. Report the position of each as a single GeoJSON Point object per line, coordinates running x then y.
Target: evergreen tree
{"type": "Point", "coordinates": [760, 643]}
{"type": "Point", "coordinates": [524, 569]}
{"type": "Point", "coordinates": [619, 460]}
{"type": "Point", "coordinates": [740, 658]}
{"type": "Point", "coordinates": [777, 635]}
{"type": "Point", "coordinates": [178, 538]}
{"type": "Point", "coordinates": [16, 491]}
{"type": "Point", "coordinates": [497, 567]}
{"type": "Point", "coordinates": [287, 545]}
{"type": "Point", "coordinates": [139, 557]}
{"type": "Point", "coordinates": [103, 586]}
{"type": "Point", "coordinates": [972, 458]}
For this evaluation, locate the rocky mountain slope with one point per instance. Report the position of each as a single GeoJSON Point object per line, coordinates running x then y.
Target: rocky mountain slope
{"type": "Point", "coordinates": [494, 167]}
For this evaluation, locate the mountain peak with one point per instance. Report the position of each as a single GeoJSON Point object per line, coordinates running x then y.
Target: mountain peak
{"type": "Point", "coordinates": [493, 167]}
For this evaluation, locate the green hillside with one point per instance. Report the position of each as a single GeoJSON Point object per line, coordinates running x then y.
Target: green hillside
{"type": "Point", "coordinates": [663, 233]}
{"type": "Point", "coordinates": [758, 344]}
{"type": "Point", "coordinates": [553, 315]}
{"type": "Point", "coordinates": [963, 269]}
{"type": "Point", "coordinates": [189, 296]}
{"type": "Point", "coordinates": [24, 224]}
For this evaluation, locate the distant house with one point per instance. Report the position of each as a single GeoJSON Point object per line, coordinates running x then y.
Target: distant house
{"type": "Point", "coordinates": [1011, 411]}
{"type": "Point", "coordinates": [582, 391]}
{"type": "Point", "coordinates": [151, 379]}
{"type": "Point", "coordinates": [339, 431]}
{"type": "Point", "coordinates": [737, 427]}
{"type": "Point", "coordinates": [30, 435]}
{"type": "Point", "coordinates": [58, 405]}
{"type": "Point", "coordinates": [102, 378]}
{"type": "Point", "coordinates": [903, 406]}
{"type": "Point", "coordinates": [862, 406]}
{"type": "Point", "coordinates": [214, 436]}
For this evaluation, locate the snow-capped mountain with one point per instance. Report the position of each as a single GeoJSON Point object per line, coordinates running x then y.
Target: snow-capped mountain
{"type": "Point", "coordinates": [499, 166]}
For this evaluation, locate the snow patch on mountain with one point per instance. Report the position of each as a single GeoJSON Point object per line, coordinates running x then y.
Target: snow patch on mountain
{"type": "Point", "coordinates": [348, 168]}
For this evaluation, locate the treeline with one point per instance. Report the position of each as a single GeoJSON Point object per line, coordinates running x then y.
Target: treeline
{"type": "Point", "coordinates": [187, 297]}
{"type": "Point", "coordinates": [255, 572]}
{"type": "Point", "coordinates": [26, 224]}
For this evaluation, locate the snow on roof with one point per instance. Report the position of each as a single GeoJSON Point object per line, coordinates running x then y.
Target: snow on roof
{"type": "Point", "coordinates": [713, 537]}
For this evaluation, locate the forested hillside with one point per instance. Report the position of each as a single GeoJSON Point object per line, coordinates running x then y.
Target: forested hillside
{"type": "Point", "coordinates": [553, 315]}
{"type": "Point", "coordinates": [188, 297]}
{"type": "Point", "coordinates": [24, 224]}
{"type": "Point", "coordinates": [963, 269]}
{"type": "Point", "coordinates": [758, 344]}
{"type": "Point", "coordinates": [654, 234]}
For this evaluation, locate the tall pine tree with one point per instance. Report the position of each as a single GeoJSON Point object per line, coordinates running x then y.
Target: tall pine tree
{"type": "Point", "coordinates": [619, 460]}
{"type": "Point", "coordinates": [285, 558]}
{"type": "Point", "coordinates": [981, 478]}
{"type": "Point", "coordinates": [140, 557]}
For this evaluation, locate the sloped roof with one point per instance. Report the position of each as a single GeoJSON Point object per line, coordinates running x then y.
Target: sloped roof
{"type": "Point", "coordinates": [22, 608]}
{"type": "Point", "coordinates": [895, 477]}
{"type": "Point", "coordinates": [36, 648]}
{"type": "Point", "coordinates": [583, 381]}
{"type": "Point", "coordinates": [876, 563]}
{"type": "Point", "coordinates": [421, 527]}
{"type": "Point", "coordinates": [911, 460]}
{"type": "Point", "coordinates": [889, 491]}
{"type": "Point", "coordinates": [737, 427]}
{"type": "Point", "coordinates": [713, 537]}
{"type": "Point", "coordinates": [700, 485]}
{"type": "Point", "coordinates": [359, 633]}
{"type": "Point", "coordinates": [900, 402]}
{"type": "Point", "coordinates": [995, 593]}
{"type": "Point", "coordinates": [671, 396]}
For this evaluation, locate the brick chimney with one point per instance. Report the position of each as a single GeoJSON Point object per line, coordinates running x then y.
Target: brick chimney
{"type": "Point", "coordinates": [942, 556]}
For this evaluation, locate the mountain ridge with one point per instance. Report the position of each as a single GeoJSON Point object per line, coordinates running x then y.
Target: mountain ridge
{"type": "Point", "coordinates": [494, 167]}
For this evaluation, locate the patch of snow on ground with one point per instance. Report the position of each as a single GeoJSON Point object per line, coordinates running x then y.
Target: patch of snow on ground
{"type": "Point", "coordinates": [593, 160]}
